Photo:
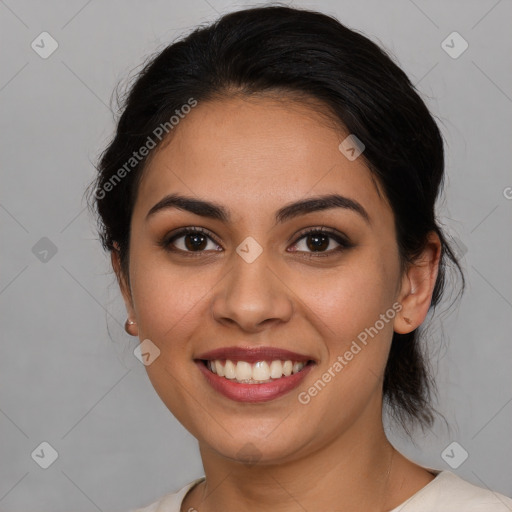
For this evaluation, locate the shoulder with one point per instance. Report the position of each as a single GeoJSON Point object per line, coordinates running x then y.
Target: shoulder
{"type": "Point", "coordinates": [170, 502]}
{"type": "Point", "coordinates": [449, 492]}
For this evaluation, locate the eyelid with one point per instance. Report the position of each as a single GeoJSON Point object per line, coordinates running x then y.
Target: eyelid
{"type": "Point", "coordinates": [170, 237]}
{"type": "Point", "coordinates": [340, 238]}
{"type": "Point", "coordinates": [321, 229]}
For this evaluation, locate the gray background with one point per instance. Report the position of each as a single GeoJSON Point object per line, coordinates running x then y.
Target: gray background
{"type": "Point", "coordinates": [68, 374]}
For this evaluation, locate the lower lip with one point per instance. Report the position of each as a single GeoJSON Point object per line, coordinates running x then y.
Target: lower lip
{"type": "Point", "coordinates": [253, 392]}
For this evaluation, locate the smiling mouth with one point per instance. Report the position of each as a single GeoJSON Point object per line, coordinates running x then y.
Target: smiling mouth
{"type": "Point", "coordinates": [259, 372]}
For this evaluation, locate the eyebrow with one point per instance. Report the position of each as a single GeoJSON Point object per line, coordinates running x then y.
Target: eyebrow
{"type": "Point", "coordinates": [218, 212]}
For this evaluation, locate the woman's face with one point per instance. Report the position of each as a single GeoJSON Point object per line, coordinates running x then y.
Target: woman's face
{"type": "Point", "coordinates": [253, 281]}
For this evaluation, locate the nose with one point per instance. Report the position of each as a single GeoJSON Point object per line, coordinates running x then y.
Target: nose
{"type": "Point", "coordinates": [252, 296]}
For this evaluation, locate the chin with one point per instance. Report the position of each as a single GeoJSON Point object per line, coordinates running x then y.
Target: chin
{"type": "Point", "coordinates": [256, 449]}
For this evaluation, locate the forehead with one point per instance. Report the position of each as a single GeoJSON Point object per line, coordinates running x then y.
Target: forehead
{"type": "Point", "coordinates": [254, 155]}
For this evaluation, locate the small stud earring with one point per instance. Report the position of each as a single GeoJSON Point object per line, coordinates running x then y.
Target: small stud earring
{"type": "Point", "coordinates": [128, 324]}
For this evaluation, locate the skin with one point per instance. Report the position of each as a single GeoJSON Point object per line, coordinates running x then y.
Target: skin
{"type": "Point", "coordinates": [253, 156]}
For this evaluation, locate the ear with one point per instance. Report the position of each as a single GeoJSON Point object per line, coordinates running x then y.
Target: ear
{"type": "Point", "coordinates": [417, 287]}
{"type": "Point", "coordinates": [124, 287]}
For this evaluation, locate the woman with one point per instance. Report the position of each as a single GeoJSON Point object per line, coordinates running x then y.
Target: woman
{"type": "Point", "coordinates": [269, 204]}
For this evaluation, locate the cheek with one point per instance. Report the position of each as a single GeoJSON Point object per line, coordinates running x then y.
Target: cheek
{"type": "Point", "coordinates": [170, 305]}
{"type": "Point", "coordinates": [345, 308]}
{"type": "Point", "coordinates": [349, 298]}
{"type": "Point", "coordinates": [166, 302]}
{"type": "Point", "coordinates": [346, 312]}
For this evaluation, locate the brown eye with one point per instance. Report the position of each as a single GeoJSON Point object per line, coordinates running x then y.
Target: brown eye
{"type": "Point", "coordinates": [190, 240]}
{"type": "Point", "coordinates": [322, 241]}
{"type": "Point", "coordinates": [195, 241]}
{"type": "Point", "coordinates": [317, 241]}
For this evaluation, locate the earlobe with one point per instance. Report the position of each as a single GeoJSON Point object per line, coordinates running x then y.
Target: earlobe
{"type": "Point", "coordinates": [130, 324]}
{"type": "Point", "coordinates": [130, 327]}
{"type": "Point", "coordinates": [418, 285]}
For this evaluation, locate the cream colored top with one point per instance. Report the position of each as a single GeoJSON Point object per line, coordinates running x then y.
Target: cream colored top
{"type": "Point", "coordinates": [447, 492]}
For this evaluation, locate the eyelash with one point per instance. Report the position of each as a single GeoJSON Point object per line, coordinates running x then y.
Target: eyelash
{"type": "Point", "coordinates": [343, 242]}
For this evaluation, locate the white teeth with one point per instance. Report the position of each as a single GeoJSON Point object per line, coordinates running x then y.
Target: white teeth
{"type": "Point", "coordinates": [219, 368]}
{"type": "Point", "coordinates": [276, 369]}
{"type": "Point", "coordinates": [297, 367]}
{"type": "Point", "coordinates": [243, 370]}
{"type": "Point", "coordinates": [259, 372]}
{"type": "Point", "coordinates": [229, 369]}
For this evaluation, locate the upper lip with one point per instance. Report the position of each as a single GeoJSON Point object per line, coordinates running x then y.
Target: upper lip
{"type": "Point", "coordinates": [253, 354]}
